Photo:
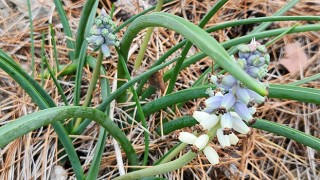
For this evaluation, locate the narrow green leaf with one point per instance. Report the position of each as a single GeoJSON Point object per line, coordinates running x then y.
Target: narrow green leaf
{"type": "Point", "coordinates": [66, 27]}
{"type": "Point", "coordinates": [301, 94]}
{"type": "Point", "coordinates": [43, 100]}
{"type": "Point", "coordinates": [174, 98]}
{"type": "Point", "coordinates": [185, 121]}
{"type": "Point", "coordinates": [143, 46]}
{"type": "Point", "coordinates": [123, 88]}
{"type": "Point", "coordinates": [31, 37]}
{"type": "Point", "coordinates": [288, 132]}
{"type": "Point", "coordinates": [139, 108]}
{"type": "Point", "coordinates": [160, 169]}
{"type": "Point", "coordinates": [197, 36]}
{"type": "Point", "coordinates": [185, 50]}
{"type": "Point", "coordinates": [30, 122]}
{"type": "Point", "coordinates": [136, 16]}
{"type": "Point", "coordinates": [55, 51]}
{"type": "Point", "coordinates": [262, 124]}
{"type": "Point", "coordinates": [305, 80]}
{"type": "Point", "coordinates": [297, 93]}
{"type": "Point", "coordinates": [60, 90]}
{"type": "Point", "coordinates": [78, 80]}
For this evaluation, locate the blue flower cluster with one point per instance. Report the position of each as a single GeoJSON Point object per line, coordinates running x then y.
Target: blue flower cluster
{"type": "Point", "coordinates": [232, 102]}
{"type": "Point", "coordinates": [234, 96]}
{"type": "Point", "coordinates": [101, 33]}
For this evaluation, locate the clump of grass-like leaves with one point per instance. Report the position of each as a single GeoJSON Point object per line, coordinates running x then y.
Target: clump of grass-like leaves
{"type": "Point", "coordinates": [232, 96]}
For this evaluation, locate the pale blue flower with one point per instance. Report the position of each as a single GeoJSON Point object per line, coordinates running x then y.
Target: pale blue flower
{"type": "Point", "coordinates": [101, 33]}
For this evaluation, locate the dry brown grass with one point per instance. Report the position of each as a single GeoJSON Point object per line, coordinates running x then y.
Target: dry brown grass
{"type": "Point", "coordinates": [261, 156]}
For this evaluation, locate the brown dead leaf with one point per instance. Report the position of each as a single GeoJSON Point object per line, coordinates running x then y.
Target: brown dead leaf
{"type": "Point", "coordinates": [295, 59]}
{"type": "Point", "coordinates": [156, 80]}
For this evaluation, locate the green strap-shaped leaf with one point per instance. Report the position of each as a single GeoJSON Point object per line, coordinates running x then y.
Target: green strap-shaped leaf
{"type": "Point", "coordinates": [43, 100]}
{"type": "Point", "coordinates": [276, 91]}
{"type": "Point", "coordinates": [262, 124]}
{"type": "Point", "coordinates": [297, 93]}
{"type": "Point", "coordinates": [41, 118]}
{"type": "Point", "coordinates": [301, 94]}
{"type": "Point", "coordinates": [194, 34]}
{"type": "Point", "coordinates": [66, 27]}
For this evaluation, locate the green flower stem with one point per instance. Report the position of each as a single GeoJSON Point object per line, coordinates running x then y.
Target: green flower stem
{"type": "Point", "coordinates": [160, 169]}
{"type": "Point", "coordinates": [140, 112]}
{"type": "Point", "coordinates": [92, 86]}
{"type": "Point", "coordinates": [171, 153]}
{"type": "Point", "coordinates": [25, 124]}
{"type": "Point", "coordinates": [146, 39]}
{"type": "Point", "coordinates": [197, 36]}
{"type": "Point", "coordinates": [100, 146]}
{"type": "Point", "coordinates": [187, 47]}
{"type": "Point", "coordinates": [42, 58]}
{"type": "Point", "coordinates": [31, 37]}
{"type": "Point", "coordinates": [55, 51]}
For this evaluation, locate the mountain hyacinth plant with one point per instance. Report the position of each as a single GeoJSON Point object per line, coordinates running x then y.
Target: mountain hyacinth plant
{"type": "Point", "coordinates": [126, 106]}
{"type": "Point", "coordinates": [231, 104]}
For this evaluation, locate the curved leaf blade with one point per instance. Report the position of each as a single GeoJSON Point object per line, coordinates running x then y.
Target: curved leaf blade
{"type": "Point", "coordinates": [197, 36]}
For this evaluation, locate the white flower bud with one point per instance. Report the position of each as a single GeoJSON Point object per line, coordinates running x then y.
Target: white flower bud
{"type": "Point", "coordinates": [252, 110]}
{"type": "Point", "coordinates": [243, 95]}
{"type": "Point", "coordinates": [200, 115]}
{"type": "Point", "coordinates": [233, 139]}
{"type": "Point", "coordinates": [201, 141]}
{"type": "Point", "coordinates": [211, 155]}
{"type": "Point", "coordinates": [239, 126]}
{"type": "Point", "coordinates": [213, 102]}
{"type": "Point", "coordinates": [210, 122]}
{"type": "Point", "coordinates": [243, 111]}
{"type": "Point", "coordinates": [256, 97]}
{"type": "Point", "coordinates": [226, 120]}
{"type": "Point", "coordinates": [228, 101]}
{"type": "Point", "coordinates": [223, 139]}
{"type": "Point", "coordinates": [186, 137]}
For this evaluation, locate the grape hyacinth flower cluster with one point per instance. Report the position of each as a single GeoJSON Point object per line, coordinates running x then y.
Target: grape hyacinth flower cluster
{"type": "Point", "coordinates": [231, 104]}
{"type": "Point", "coordinates": [101, 33]}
